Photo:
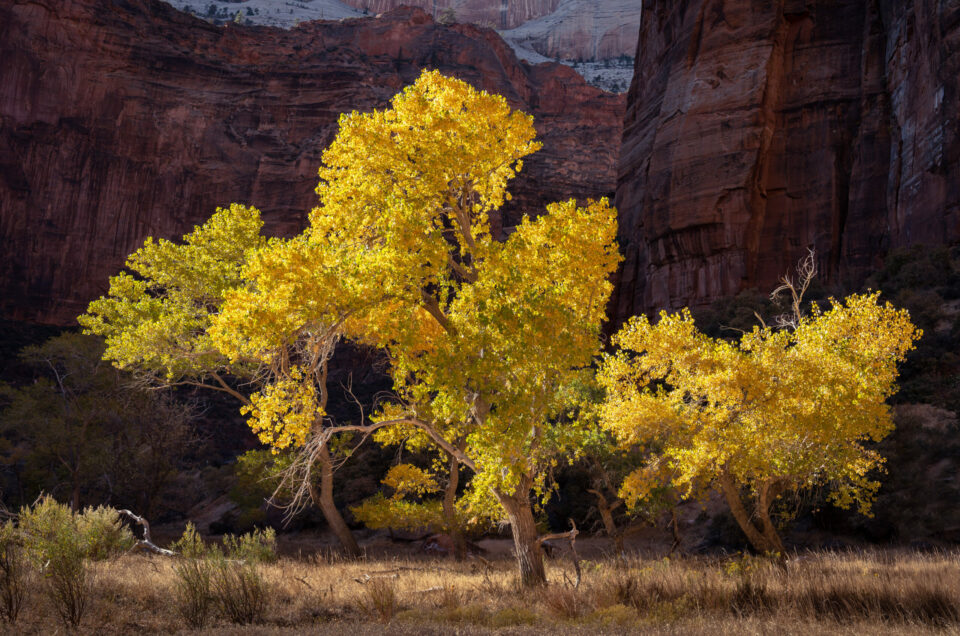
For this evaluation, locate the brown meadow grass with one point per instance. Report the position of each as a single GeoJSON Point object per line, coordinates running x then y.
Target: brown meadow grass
{"type": "Point", "coordinates": [870, 592]}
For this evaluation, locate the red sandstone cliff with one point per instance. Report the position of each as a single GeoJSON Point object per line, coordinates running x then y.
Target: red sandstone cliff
{"type": "Point", "coordinates": [120, 120]}
{"type": "Point", "coordinates": [755, 130]}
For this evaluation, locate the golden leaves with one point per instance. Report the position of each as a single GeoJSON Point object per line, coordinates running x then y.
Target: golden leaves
{"type": "Point", "coordinates": [793, 406]}
{"type": "Point", "coordinates": [283, 412]}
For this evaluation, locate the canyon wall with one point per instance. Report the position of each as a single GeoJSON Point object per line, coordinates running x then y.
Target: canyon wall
{"type": "Point", "coordinates": [122, 119]}
{"type": "Point", "coordinates": [500, 14]}
{"type": "Point", "coordinates": [564, 29]}
{"type": "Point", "coordinates": [756, 130]}
{"type": "Point", "coordinates": [582, 29]}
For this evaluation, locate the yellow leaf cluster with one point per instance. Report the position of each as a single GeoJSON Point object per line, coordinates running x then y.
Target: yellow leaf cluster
{"type": "Point", "coordinates": [284, 412]}
{"type": "Point", "coordinates": [155, 320]}
{"type": "Point", "coordinates": [407, 479]}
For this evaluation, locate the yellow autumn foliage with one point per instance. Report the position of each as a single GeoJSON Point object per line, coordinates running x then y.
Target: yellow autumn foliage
{"type": "Point", "coordinates": [796, 408]}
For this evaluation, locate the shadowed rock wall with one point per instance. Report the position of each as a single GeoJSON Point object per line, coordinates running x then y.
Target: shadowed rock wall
{"type": "Point", "coordinates": [755, 130]}
{"type": "Point", "coordinates": [122, 119]}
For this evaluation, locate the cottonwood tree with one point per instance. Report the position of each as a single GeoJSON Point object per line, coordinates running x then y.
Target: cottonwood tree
{"type": "Point", "coordinates": [482, 336]}
{"type": "Point", "coordinates": [158, 323]}
{"type": "Point", "coordinates": [777, 411]}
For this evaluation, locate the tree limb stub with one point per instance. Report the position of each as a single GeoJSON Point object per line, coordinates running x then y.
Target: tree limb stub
{"type": "Point", "coordinates": [146, 542]}
{"type": "Point", "coordinates": [571, 536]}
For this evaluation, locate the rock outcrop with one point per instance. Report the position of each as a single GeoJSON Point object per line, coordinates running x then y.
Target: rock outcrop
{"type": "Point", "coordinates": [757, 130]}
{"type": "Point", "coordinates": [122, 120]}
{"type": "Point", "coordinates": [581, 30]}
{"type": "Point", "coordinates": [500, 14]}
{"type": "Point", "coordinates": [564, 29]}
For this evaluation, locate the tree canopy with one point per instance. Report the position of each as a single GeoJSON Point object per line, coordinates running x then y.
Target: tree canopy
{"type": "Point", "coordinates": [482, 335]}
{"type": "Point", "coordinates": [776, 411]}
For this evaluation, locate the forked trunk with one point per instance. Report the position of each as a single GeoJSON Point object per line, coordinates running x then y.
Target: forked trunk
{"type": "Point", "coordinates": [609, 525]}
{"type": "Point", "coordinates": [323, 499]}
{"type": "Point", "coordinates": [762, 537]}
{"type": "Point", "coordinates": [450, 512]}
{"type": "Point", "coordinates": [526, 542]}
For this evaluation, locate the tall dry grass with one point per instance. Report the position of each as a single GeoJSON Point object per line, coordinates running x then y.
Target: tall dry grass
{"type": "Point", "coordinates": [872, 592]}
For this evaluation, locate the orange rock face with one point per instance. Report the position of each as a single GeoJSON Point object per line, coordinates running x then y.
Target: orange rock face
{"type": "Point", "coordinates": [122, 120]}
{"type": "Point", "coordinates": [757, 130]}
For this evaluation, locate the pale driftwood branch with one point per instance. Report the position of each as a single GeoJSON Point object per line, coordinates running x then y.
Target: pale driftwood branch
{"type": "Point", "coordinates": [146, 543]}
{"type": "Point", "coordinates": [806, 272]}
{"type": "Point", "coordinates": [571, 536]}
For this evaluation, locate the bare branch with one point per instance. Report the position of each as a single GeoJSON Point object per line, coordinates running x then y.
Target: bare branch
{"type": "Point", "coordinates": [571, 536]}
{"type": "Point", "coordinates": [806, 272]}
{"type": "Point", "coordinates": [298, 476]}
{"type": "Point", "coordinates": [146, 542]}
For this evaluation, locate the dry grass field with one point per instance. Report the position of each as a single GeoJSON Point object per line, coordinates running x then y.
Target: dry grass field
{"type": "Point", "coordinates": [872, 592]}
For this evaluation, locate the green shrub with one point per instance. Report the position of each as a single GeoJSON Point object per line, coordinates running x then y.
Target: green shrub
{"type": "Point", "coordinates": [65, 572]}
{"type": "Point", "coordinates": [41, 526]}
{"type": "Point", "coordinates": [190, 544]}
{"type": "Point", "coordinates": [59, 542]}
{"type": "Point", "coordinates": [230, 576]}
{"type": "Point", "coordinates": [239, 589]}
{"type": "Point", "coordinates": [193, 589]}
{"type": "Point", "coordinates": [53, 542]}
{"type": "Point", "coordinates": [259, 546]}
{"type": "Point", "coordinates": [100, 531]}
{"type": "Point", "coordinates": [104, 533]}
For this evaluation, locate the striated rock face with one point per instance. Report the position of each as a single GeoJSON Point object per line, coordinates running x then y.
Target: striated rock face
{"type": "Point", "coordinates": [756, 130]}
{"type": "Point", "coordinates": [582, 29]}
{"type": "Point", "coordinates": [126, 119]}
{"type": "Point", "coordinates": [564, 29]}
{"type": "Point", "coordinates": [500, 14]}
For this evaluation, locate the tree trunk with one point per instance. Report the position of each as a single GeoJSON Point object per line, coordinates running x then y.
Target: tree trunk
{"type": "Point", "coordinates": [606, 515]}
{"type": "Point", "coordinates": [675, 529]}
{"type": "Point", "coordinates": [450, 511]}
{"type": "Point", "coordinates": [763, 538]}
{"type": "Point", "coordinates": [526, 542]}
{"type": "Point", "coordinates": [323, 499]}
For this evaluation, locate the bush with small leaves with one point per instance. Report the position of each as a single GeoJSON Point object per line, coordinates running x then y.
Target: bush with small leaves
{"type": "Point", "coordinates": [42, 524]}
{"type": "Point", "coordinates": [239, 589]}
{"type": "Point", "coordinates": [104, 533]}
{"type": "Point", "coordinates": [259, 546]}
{"type": "Point", "coordinates": [193, 589]}
{"type": "Point", "coordinates": [54, 542]}
{"type": "Point", "coordinates": [65, 571]}
{"type": "Point", "coordinates": [229, 575]}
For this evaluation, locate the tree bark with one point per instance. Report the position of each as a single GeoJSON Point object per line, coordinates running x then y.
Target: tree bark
{"type": "Point", "coordinates": [323, 499]}
{"type": "Point", "coordinates": [606, 515]}
{"type": "Point", "coordinates": [675, 529]}
{"type": "Point", "coordinates": [450, 511]}
{"type": "Point", "coordinates": [526, 542]}
{"type": "Point", "coordinates": [764, 538]}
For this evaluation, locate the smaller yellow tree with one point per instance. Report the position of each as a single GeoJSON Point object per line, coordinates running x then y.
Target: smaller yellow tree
{"type": "Point", "coordinates": [778, 411]}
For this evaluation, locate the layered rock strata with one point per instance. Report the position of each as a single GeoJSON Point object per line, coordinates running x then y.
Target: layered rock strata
{"type": "Point", "coordinates": [755, 131]}
{"type": "Point", "coordinates": [122, 120]}
{"type": "Point", "coordinates": [564, 29]}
